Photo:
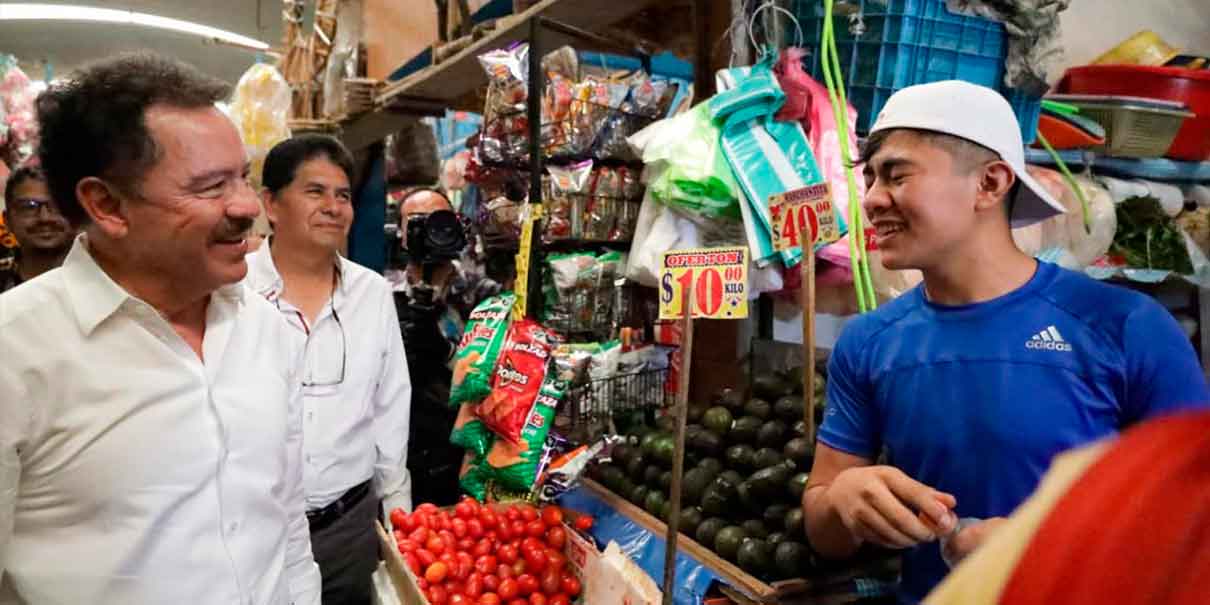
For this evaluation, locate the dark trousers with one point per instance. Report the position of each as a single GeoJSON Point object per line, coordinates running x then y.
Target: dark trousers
{"type": "Point", "coordinates": [347, 554]}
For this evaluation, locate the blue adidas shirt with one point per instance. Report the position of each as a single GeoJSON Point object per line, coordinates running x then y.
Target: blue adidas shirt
{"type": "Point", "coordinates": [976, 400]}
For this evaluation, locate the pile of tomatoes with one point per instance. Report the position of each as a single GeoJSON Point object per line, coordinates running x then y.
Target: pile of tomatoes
{"type": "Point", "coordinates": [476, 555]}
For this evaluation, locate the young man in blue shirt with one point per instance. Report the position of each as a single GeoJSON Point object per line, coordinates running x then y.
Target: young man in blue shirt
{"type": "Point", "coordinates": [973, 381]}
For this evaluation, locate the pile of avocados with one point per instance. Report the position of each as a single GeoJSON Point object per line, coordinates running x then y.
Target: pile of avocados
{"type": "Point", "coordinates": [746, 464]}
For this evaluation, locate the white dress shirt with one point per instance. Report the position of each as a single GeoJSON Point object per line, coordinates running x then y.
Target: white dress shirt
{"type": "Point", "coordinates": [357, 396]}
{"type": "Point", "coordinates": [132, 472]}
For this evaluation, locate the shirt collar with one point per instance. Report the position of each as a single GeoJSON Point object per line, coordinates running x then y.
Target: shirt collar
{"type": "Point", "coordinates": [267, 281]}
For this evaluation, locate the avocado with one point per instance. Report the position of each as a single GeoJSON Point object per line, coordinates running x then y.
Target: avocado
{"type": "Point", "coordinates": [769, 483]}
{"type": "Point", "coordinates": [653, 503]}
{"type": "Point", "coordinates": [691, 458]}
{"type": "Point", "coordinates": [793, 376]}
{"type": "Point", "coordinates": [755, 528]}
{"type": "Point", "coordinates": [719, 498]}
{"type": "Point", "coordinates": [770, 385]}
{"type": "Point", "coordinates": [663, 450]}
{"type": "Point", "coordinates": [740, 457]}
{"type": "Point", "coordinates": [648, 444]}
{"type": "Point", "coordinates": [612, 477]}
{"type": "Point", "coordinates": [694, 483]}
{"type": "Point", "coordinates": [772, 434]}
{"type": "Point", "coordinates": [691, 518]}
{"type": "Point", "coordinates": [622, 453]}
{"type": "Point", "coordinates": [759, 408]}
{"type": "Point", "coordinates": [707, 530]}
{"type": "Point", "coordinates": [694, 413]}
{"type": "Point", "coordinates": [705, 443]}
{"type": "Point", "coordinates": [798, 449]}
{"type": "Point", "coordinates": [717, 420]}
{"type": "Point", "coordinates": [798, 485]}
{"type": "Point", "coordinates": [800, 428]}
{"type": "Point", "coordinates": [638, 495]}
{"type": "Point", "coordinates": [788, 408]}
{"type": "Point", "coordinates": [666, 423]}
{"type": "Point", "coordinates": [665, 511]}
{"type": "Point", "coordinates": [637, 467]}
{"type": "Point", "coordinates": [730, 399]}
{"type": "Point", "coordinates": [791, 559]}
{"type": "Point", "coordinates": [733, 477]}
{"type": "Point", "coordinates": [748, 498]}
{"type": "Point", "coordinates": [766, 457]}
{"type": "Point", "coordinates": [776, 538]}
{"type": "Point", "coordinates": [775, 515]}
{"type": "Point", "coordinates": [651, 476]}
{"type": "Point", "coordinates": [626, 487]}
{"type": "Point", "coordinates": [691, 431]}
{"type": "Point", "coordinates": [712, 465]}
{"type": "Point", "coordinates": [728, 540]}
{"type": "Point", "coordinates": [666, 481]}
{"type": "Point", "coordinates": [755, 557]}
{"type": "Point", "coordinates": [793, 524]}
{"type": "Point", "coordinates": [744, 430]}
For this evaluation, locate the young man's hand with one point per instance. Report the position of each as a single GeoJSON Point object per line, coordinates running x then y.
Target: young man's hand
{"type": "Point", "coordinates": [883, 506]}
{"type": "Point", "coordinates": [968, 539]}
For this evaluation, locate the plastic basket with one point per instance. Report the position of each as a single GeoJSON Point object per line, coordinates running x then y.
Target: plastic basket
{"type": "Point", "coordinates": [906, 42]}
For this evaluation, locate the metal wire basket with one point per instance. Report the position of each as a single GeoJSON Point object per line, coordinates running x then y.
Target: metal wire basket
{"type": "Point", "coordinates": [590, 408]}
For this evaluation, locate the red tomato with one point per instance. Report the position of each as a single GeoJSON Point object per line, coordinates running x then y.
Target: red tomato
{"type": "Point", "coordinates": [426, 558]}
{"type": "Point", "coordinates": [570, 585]}
{"type": "Point", "coordinates": [436, 573]}
{"type": "Point", "coordinates": [551, 581]}
{"type": "Point", "coordinates": [431, 522]}
{"type": "Point", "coordinates": [474, 586]}
{"type": "Point", "coordinates": [410, 523]}
{"type": "Point", "coordinates": [552, 516]}
{"type": "Point", "coordinates": [398, 518]}
{"type": "Point", "coordinates": [413, 563]}
{"type": "Point", "coordinates": [518, 529]}
{"type": "Point", "coordinates": [474, 528]}
{"type": "Point", "coordinates": [438, 595]}
{"type": "Point", "coordinates": [457, 598]}
{"type": "Point", "coordinates": [504, 571]}
{"type": "Point", "coordinates": [407, 546]}
{"type": "Point", "coordinates": [427, 508]}
{"type": "Point", "coordinates": [422, 584]}
{"type": "Point", "coordinates": [529, 513]}
{"type": "Point", "coordinates": [556, 536]}
{"type": "Point", "coordinates": [512, 513]}
{"type": "Point", "coordinates": [466, 544]}
{"type": "Point", "coordinates": [559, 599]}
{"type": "Point", "coordinates": [491, 582]}
{"type": "Point", "coordinates": [527, 585]}
{"type": "Point", "coordinates": [488, 517]}
{"type": "Point", "coordinates": [535, 560]}
{"type": "Point", "coordinates": [519, 567]}
{"type": "Point", "coordinates": [537, 599]}
{"type": "Point", "coordinates": [555, 559]}
{"type": "Point", "coordinates": [535, 529]}
{"type": "Point", "coordinates": [518, 602]}
{"type": "Point", "coordinates": [399, 534]}
{"type": "Point", "coordinates": [508, 554]}
{"type": "Point", "coordinates": [486, 564]}
{"type": "Point", "coordinates": [420, 535]}
{"type": "Point", "coordinates": [458, 526]}
{"type": "Point", "coordinates": [509, 589]}
{"type": "Point", "coordinates": [505, 532]}
{"type": "Point", "coordinates": [583, 523]}
{"type": "Point", "coordinates": [464, 510]}
{"type": "Point", "coordinates": [530, 543]}
{"type": "Point", "coordinates": [445, 522]}
{"type": "Point", "coordinates": [482, 548]}
{"type": "Point", "coordinates": [466, 564]}
{"type": "Point", "coordinates": [489, 598]}
{"type": "Point", "coordinates": [450, 539]}
{"type": "Point", "coordinates": [435, 545]}
{"type": "Point", "coordinates": [448, 559]}
{"type": "Point", "coordinates": [491, 535]}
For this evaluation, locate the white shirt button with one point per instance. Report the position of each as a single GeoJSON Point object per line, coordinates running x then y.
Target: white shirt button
{"type": "Point", "coordinates": [233, 527]}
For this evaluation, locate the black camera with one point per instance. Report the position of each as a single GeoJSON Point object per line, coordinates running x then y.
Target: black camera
{"type": "Point", "coordinates": [435, 237]}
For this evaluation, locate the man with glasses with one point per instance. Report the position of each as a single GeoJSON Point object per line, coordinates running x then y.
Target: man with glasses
{"type": "Point", "coordinates": [43, 234]}
{"type": "Point", "coordinates": [356, 389]}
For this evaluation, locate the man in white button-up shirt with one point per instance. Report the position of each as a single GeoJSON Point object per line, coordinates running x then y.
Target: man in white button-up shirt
{"type": "Point", "coordinates": [150, 434]}
{"type": "Point", "coordinates": [355, 384]}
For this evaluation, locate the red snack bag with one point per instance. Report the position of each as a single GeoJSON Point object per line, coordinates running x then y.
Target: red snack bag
{"type": "Point", "coordinates": [519, 373]}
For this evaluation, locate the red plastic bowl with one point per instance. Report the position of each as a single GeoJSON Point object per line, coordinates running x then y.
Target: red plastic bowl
{"type": "Point", "coordinates": [1191, 87]}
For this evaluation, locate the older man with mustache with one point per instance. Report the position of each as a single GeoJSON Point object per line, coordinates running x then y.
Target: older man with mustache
{"type": "Point", "coordinates": [149, 405]}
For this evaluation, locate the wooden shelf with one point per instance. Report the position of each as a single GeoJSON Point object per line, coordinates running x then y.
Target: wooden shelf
{"type": "Point", "coordinates": [447, 84]}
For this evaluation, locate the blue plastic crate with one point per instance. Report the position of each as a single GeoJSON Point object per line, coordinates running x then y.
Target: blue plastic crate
{"type": "Point", "coordinates": [908, 42]}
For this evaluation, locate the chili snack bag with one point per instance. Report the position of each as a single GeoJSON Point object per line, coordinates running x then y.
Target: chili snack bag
{"type": "Point", "coordinates": [515, 465]}
{"type": "Point", "coordinates": [480, 347]}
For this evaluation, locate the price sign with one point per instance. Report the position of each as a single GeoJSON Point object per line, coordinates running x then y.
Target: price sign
{"type": "Point", "coordinates": [803, 216]}
{"type": "Point", "coordinates": [716, 280]}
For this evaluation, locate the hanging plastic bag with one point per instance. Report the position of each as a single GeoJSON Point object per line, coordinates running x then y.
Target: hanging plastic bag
{"type": "Point", "coordinates": [695, 177]}
{"type": "Point", "coordinates": [19, 130]}
{"type": "Point", "coordinates": [260, 108]}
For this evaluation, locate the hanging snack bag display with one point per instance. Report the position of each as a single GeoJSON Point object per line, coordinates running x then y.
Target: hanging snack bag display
{"type": "Point", "coordinates": [504, 111]}
{"type": "Point", "coordinates": [516, 465]}
{"type": "Point", "coordinates": [482, 340]}
{"type": "Point", "coordinates": [567, 188]}
{"type": "Point", "coordinates": [518, 379]}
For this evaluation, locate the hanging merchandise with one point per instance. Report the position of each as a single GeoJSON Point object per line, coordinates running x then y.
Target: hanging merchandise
{"type": "Point", "coordinates": [768, 157]}
{"type": "Point", "coordinates": [516, 464]}
{"type": "Point", "coordinates": [691, 173]}
{"type": "Point", "coordinates": [1033, 37]}
{"type": "Point", "coordinates": [517, 380]}
{"type": "Point", "coordinates": [475, 358]}
{"type": "Point", "coordinates": [18, 125]}
{"type": "Point", "coordinates": [260, 108]}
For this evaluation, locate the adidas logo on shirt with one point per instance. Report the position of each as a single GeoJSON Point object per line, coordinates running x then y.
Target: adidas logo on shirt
{"type": "Point", "coordinates": [1048, 340]}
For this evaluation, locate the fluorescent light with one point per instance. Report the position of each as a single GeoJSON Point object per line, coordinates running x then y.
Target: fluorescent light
{"type": "Point", "coordinates": [62, 12]}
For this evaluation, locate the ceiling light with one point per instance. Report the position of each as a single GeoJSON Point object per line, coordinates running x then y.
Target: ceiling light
{"type": "Point", "coordinates": [61, 12]}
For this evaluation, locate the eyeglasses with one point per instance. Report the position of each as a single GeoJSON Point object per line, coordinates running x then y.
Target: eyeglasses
{"type": "Point", "coordinates": [27, 207]}
{"type": "Point", "coordinates": [324, 379]}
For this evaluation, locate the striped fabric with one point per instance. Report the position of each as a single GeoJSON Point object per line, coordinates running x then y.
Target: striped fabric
{"type": "Point", "coordinates": [768, 157]}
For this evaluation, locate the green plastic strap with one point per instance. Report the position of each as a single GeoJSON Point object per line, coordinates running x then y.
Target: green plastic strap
{"type": "Point", "coordinates": [1071, 182]}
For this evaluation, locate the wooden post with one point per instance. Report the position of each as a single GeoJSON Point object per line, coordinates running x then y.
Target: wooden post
{"type": "Point", "coordinates": [678, 457]}
{"type": "Point", "coordinates": [807, 302]}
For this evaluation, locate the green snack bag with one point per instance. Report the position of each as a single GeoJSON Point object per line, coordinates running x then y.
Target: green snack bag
{"type": "Point", "coordinates": [469, 432]}
{"type": "Point", "coordinates": [474, 476]}
{"type": "Point", "coordinates": [515, 466]}
{"type": "Point", "coordinates": [475, 360]}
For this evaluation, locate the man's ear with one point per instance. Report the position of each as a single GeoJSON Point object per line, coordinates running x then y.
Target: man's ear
{"type": "Point", "coordinates": [266, 199]}
{"type": "Point", "coordinates": [103, 205]}
{"type": "Point", "coordinates": [995, 182]}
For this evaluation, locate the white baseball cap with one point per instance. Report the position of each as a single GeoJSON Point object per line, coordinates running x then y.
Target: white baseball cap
{"type": "Point", "coordinates": [977, 114]}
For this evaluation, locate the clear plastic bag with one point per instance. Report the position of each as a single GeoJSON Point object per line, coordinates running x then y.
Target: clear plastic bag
{"type": "Point", "coordinates": [260, 108]}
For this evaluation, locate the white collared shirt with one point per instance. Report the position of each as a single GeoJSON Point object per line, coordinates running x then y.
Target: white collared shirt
{"type": "Point", "coordinates": [130, 471]}
{"type": "Point", "coordinates": [355, 421]}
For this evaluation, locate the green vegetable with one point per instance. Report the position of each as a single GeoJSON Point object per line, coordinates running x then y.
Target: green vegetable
{"type": "Point", "coordinates": [1147, 238]}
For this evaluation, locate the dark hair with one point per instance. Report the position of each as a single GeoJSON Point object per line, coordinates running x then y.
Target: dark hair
{"type": "Point", "coordinates": [966, 152]}
{"type": "Point", "coordinates": [285, 158]}
{"type": "Point", "coordinates": [18, 176]}
{"type": "Point", "coordinates": [92, 124]}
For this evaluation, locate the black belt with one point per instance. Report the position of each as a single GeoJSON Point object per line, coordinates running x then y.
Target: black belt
{"type": "Point", "coordinates": [323, 517]}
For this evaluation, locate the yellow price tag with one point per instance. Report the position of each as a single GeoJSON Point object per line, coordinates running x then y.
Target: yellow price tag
{"type": "Point", "coordinates": [803, 214]}
{"type": "Point", "coordinates": [716, 280]}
